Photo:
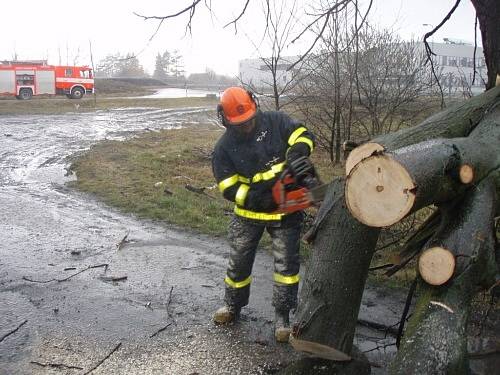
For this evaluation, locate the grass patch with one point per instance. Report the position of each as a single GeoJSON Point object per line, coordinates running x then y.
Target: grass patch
{"type": "Point", "coordinates": [147, 176]}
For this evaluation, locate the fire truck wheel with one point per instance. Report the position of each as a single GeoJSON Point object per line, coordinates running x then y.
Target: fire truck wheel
{"type": "Point", "coordinates": [77, 93]}
{"type": "Point", "coordinates": [25, 94]}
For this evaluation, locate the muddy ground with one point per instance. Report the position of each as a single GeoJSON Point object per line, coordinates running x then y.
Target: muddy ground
{"type": "Point", "coordinates": [73, 301]}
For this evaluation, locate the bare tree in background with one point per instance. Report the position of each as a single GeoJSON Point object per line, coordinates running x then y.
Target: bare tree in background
{"type": "Point", "coordinates": [390, 81]}
{"type": "Point", "coordinates": [357, 93]}
{"type": "Point", "coordinates": [276, 79]}
{"type": "Point", "coordinates": [326, 91]}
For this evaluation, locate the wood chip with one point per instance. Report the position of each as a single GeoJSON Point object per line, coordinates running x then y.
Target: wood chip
{"type": "Point", "coordinates": [447, 308]}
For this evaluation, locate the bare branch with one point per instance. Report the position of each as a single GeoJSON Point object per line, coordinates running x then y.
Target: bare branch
{"type": "Point", "coordinates": [428, 49]}
{"type": "Point", "coordinates": [238, 18]}
{"type": "Point", "coordinates": [188, 9]}
{"type": "Point", "coordinates": [404, 316]}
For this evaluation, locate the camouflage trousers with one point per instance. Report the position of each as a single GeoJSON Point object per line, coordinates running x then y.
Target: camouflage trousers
{"type": "Point", "coordinates": [244, 237]}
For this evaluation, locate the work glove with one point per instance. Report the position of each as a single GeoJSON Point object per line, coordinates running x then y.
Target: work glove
{"type": "Point", "coordinates": [296, 151]}
{"type": "Point", "coordinates": [301, 168]}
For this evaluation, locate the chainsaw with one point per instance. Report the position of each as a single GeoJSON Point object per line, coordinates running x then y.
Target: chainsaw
{"type": "Point", "coordinates": [292, 196]}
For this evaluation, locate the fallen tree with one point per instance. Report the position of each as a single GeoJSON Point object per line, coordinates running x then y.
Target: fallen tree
{"type": "Point", "coordinates": [435, 340]}
{"type": "Point", "coordinates": [432, 170]}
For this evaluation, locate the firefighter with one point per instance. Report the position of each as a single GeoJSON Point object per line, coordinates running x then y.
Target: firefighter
{"type": "Point", "coordinates": [247, 161]}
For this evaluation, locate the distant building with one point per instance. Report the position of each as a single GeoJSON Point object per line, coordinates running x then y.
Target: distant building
{"type": "Point", "coordinates": [454, 64]}
{"type": "Point", "coordinates": [256, 74]}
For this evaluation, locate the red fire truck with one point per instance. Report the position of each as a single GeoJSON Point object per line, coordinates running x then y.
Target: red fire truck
{"type": "Point", "coordinates": [27, 78]}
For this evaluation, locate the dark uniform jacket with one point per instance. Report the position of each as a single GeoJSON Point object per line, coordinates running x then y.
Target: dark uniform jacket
{"type": "Point", "coordinates": [246, 168]}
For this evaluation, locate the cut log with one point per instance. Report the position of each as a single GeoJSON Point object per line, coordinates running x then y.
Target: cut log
{"type": "Point", "coordinates": [435, 341]}
{"type": "Point", "coordinates": [384, 188]}
{"type": "Point", "coordinates": [436, 265]}
{"type": "Point", "coordinates": [466, 173]}
{"type": "Point", "coordinates": [380, 191]}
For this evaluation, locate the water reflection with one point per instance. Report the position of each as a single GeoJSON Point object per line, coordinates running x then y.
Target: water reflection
{"type": "Point", "coordinates": [172, 92]}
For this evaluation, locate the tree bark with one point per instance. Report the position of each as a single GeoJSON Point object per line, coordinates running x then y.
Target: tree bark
{"type": "Point", "coordinates": [329, 301]}
{"type": "Point", "coordinates": [435, 341]}
{"type": "Point", "coordinates": [488, 14]}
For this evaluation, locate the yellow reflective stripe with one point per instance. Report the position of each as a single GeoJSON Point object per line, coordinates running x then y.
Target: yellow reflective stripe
{"type": "Point", "coordinates": [305, 140]}
{"type": "Point", "coordinates": [238, 284]}
{"type": "Point", "coordinates": [241, 194]}
{"type": "Point", "coordinates": [296, 134]}
{"type": "Point", "coordinates": [269, 175]}
{"type": "Point", "coordinates": [256, 215]}
{"type": "Point", "coordinates": [282, 279]}
{"type": "Point", "coordinates": [230, 181]}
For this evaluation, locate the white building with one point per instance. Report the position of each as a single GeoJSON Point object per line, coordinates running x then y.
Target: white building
{"type": "Point", "coordinates": [453, 64]}
{"type": "Point", "coordinates": [256, 74]}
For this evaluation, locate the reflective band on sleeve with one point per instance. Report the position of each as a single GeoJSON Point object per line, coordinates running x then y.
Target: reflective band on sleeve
{"type": "Point", "coordinates": [269, 175]}
{"type": "Point", "coordinates": [296, 134]}
{"type": "Point", "coordinates": [256, 215]}
{"type": "Point", "coordinates": [282, 279]}
{"type": "Point", "coordinates": [241, 194]}
{"type": "Point", "coordinates": [307, 141]}
{"type": "Point", "coordinates": [228, 182]}
{"type": "Point", "coordinates": [238, 284]}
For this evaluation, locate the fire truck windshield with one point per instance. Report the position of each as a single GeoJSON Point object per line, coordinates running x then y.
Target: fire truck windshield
{"type": "Point", "coordinates": [86, 73]}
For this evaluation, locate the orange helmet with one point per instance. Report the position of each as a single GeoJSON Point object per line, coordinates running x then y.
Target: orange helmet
{"type": "Point", "coordinates": [237, 105]}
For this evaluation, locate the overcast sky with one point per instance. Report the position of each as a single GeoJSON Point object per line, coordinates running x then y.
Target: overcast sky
{"type": "Point", "coordinates": [60, 30]}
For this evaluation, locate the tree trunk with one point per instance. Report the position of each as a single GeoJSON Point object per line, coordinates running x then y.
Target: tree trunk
{"type": "Point", "coordinates": [329, 302]}
{"type": "Point", "coordinates": [488, 14]}
{"type": "Point", "coordinates": [382, 189]}
{"type": "Point", "coordinates": [435, 341]}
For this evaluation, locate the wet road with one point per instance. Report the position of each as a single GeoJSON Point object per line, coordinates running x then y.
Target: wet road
{"type": "Point", "coordinates": [173, 278]}
{"type": "Point", "coordinates": [62, 313]}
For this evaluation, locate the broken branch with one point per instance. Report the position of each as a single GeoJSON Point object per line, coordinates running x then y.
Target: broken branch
{"type": "Point", "coordinates": [56, 365]}
{"type": "Point", "coordinates": [123, 241]}
{"type": "Point", "coordinates": [161, 330]}
{"type": "Point", "coordinates": [102, 360]}
{"type": "Point", "coordinates": [13, 331]}
{"type": "Point", "coordinates": [66, 278]}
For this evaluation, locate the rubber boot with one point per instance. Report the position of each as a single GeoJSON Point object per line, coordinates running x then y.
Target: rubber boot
{"type": "Point", "coordinates": [226, 314]}
{"type": "Point", "coordinates": [282, 328]}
